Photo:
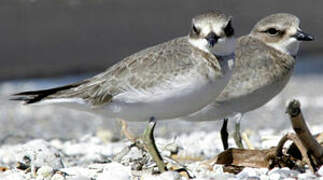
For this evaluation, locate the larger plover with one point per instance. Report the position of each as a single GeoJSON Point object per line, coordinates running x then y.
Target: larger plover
{"type": "Point", "coordinates": [169, 80]}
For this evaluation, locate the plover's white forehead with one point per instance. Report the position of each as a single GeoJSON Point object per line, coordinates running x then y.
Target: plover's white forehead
{"type": "Point", "coordinates": [212, 21]}
{"type": "Point", "coordinates": [206, 27]}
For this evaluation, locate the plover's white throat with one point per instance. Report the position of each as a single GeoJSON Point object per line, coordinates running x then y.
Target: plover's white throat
{"type": "Point", "coordinates": [264, 61]}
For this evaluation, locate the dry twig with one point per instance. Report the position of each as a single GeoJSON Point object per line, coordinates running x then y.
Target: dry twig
{"type": "Point", "coordinates": [312, 149]}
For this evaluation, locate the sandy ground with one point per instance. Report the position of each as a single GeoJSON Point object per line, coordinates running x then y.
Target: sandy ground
{"type": "Point", "coordinates": [84, 146]}
{"type": "Point", "coordinates": [97, 157]}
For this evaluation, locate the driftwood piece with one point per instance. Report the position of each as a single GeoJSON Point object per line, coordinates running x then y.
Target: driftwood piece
{"type": "Point", "coordinates": [245, 157]}
{"type": "Point", "coordinates": [235, 159]}
{"type": "Point", "coordinates": [312, 150]}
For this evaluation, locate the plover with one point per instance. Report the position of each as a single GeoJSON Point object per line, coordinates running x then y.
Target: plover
{"type": "Point", "coordinates": [169, 80]}
{"type": "Point", "coordinates": [264, 62]}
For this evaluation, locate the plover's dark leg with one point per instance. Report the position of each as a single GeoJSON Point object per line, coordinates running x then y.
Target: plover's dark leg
{"type": "Point", "coordinates": [237, 134]}
{"type": "Point", "coordinates": [224, 134]}
{"type": "Point", "coordinates": [149, 143]}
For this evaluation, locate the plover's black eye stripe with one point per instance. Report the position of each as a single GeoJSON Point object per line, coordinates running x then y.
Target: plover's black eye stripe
{"type": "Point", "coordinates": [196, 30]}
{"type": "Point", "coordinates": [228, 30]}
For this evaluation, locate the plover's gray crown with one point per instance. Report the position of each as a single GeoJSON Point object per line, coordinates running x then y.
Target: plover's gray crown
{"type": "Point", "coordinates": [168, 80]}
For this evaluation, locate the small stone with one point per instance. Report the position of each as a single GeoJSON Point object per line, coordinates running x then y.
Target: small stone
{"type": "Point", "coordinates": [168, 175]}
{"type": "Point", "coordinates": [173, 148]}
{"type": "Point", "coordinates": [115, 170]}
{"type": "Point", "coordinates": [320, 171]}
{"type": "Point", "coordinates": [218, 169]}
{"type": "Point", "coordinates": [104, 135]}
{"type": "Point", "coordinates": [284, 172]}
{"type": "Point", "coordinates": [274, 176]}
{"type": "Point", "coordinates": [264, 177]}
{"type": "Point", "coordinates": [78, 173]}
{"type": "Point", "coordinates": [247, 172]}
{"type": "Point", "coordinates": [58, 177]}
{"type": "Point", "coordinates": [166, 153]}
{"type": "Point", "coordinates": [57, 143]}
{"type": "Point", "coordinates": [306, 176]}
{"type": "Point", "coordinates": [45, 171]}
{"type": "Point", "coordinates": [79, 178]}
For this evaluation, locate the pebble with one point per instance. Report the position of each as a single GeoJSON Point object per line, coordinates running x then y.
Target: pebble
{"type": "Point", "coordinates": [274, 176]}
{"type": "Point", "coordinates": [78, 178]}
{"type": "Point", "coordinates": [284, 172]}
{"type": "Point", "coordinates": [246, 173]}
{"type": "Point", "coordinates": [172, 147]}
{"type": "Point", "coordinates": [320, 171]}
{"type": "Point", "coordinates": [45, 172]}
{"type": "Point", "coordinates": [57, 177]}
{"type": "Point", "coordinates": [169, 175]}
{"type": "Point", "coordinates": [115, 170]}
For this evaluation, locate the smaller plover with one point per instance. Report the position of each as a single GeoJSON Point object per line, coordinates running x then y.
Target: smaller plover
{"type": "Point", "coordinates": [264, 62]}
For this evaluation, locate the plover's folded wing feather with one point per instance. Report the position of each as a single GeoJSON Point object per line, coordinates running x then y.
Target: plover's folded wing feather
{"type": "Point", "coordinates": [149, 71]}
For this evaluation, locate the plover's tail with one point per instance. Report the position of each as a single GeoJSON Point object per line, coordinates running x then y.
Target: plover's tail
{"type": "Point", "coordinates": [30, 97]}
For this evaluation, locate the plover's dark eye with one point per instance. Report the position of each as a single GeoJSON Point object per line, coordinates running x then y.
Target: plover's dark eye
{"type": "Point", "coordinates": [228, 30]}
{"type": "Point", "coordinates": [196, 31]}
{"type": "Point", "coordinates": [273, 31]}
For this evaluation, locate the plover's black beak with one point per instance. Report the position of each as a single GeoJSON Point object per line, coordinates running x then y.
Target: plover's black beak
{"type": "Point", "coordinates": [212, 38]}
{"type": "Point", "coordinates": [302, 36]}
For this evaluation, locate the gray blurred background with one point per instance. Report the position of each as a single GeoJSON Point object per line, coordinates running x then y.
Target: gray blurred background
{"type": "Point", "coordinates": [56, 37]}
{"type": "Point", "coordinates": [46, 43]}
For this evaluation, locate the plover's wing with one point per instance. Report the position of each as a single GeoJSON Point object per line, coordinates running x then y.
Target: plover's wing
{"type": "Point", "coordinates": [248, 76]}
{"type": "Point", "coordinates": [146, 71]}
